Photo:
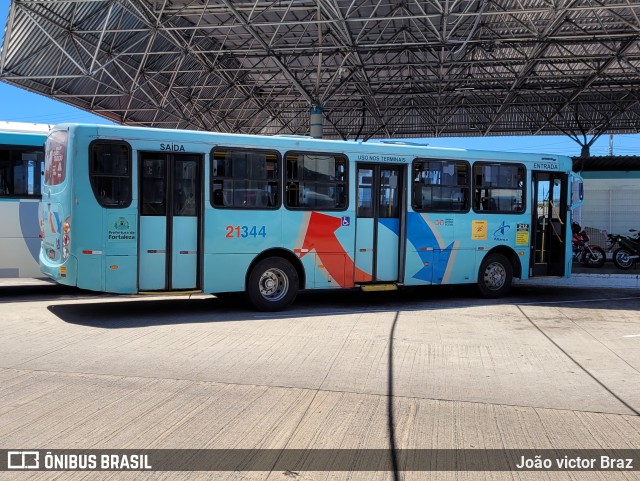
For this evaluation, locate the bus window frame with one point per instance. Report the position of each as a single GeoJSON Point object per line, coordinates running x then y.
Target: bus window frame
{"type": "Point", "coordinates": [499, 212]}
{"type": "Point", "coordinates": [469, 185]}
{"type": "Point", "coordinates": [278, 178]}
{"type": "Point", "coordinates": [26, 149]}
{"type": "Point", "coordinates": [129, 167]}
{"type": "Point", "coordinates": [344, 156]}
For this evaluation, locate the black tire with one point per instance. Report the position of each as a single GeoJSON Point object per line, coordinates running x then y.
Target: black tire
{"type": "Point", "coordinates": [622, 259]}
{"type": "Point", "coordinates": [595, 258]}
{"type": "Point", "coordinates": [273, 284]}
{"type": "Point", "coordinates": [495, 276]}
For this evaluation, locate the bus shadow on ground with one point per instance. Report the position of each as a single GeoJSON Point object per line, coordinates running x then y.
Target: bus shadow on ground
{"type": "Point", "coordinates": [145, 312]}
{"type": "Point", "coordinates": [30, 293]}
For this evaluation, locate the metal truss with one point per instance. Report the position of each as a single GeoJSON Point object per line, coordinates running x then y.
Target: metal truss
{"type": "Point", "coordinates": [376, 68]}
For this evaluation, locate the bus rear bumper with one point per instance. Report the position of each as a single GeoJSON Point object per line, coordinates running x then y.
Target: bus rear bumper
{"type": "Point", "coordinates": [63, 273]}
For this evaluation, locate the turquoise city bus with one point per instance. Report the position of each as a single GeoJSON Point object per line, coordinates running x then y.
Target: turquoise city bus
{"type": "Point", "coordinates": [21, 166]}
{"type": "Point", "coordinates": [132, 210]}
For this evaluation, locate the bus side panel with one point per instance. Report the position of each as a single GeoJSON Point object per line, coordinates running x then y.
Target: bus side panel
{"type": "Point", "coordinates": [87, 218]}
{"type": "Point", "coordinates": [16, 258]}
{"type": "Point", "coordinates": [121, 274]}
{"type": "Point", "coordinates": [445, 227]}
{"type": "Point", "coordinates": [462, 267]}
{"type": "Point", "coordinates": [418, 270]}
{"type": "Point", "coordinates": [423, 267]}
{"type": "Point", "coordinates": [28, 215]}
{"type": "Point", "coordinates": [20, 242]}
{"type": "Point", "coordinates": [233, 239]}
{"type": "Point", "coordinates": [234, 268]}
{"type": "Point", "coordinates": [330, 270]}
{"type": "Point", "coordinates": [324, 242]}
{"type": "Point", "coordinates": [242, 232]}
{"type": "Point", "coordinates": [226, 272]}
{"type": "Point", "coordinates": [120, 250]}
{"type": "Point", "coordinates": [90, 272]}
{"type": "Point", "coordinates": [497, 230]}
{"type": "Point", "coordinates": [440, 249]}
{"type": "Point", "coordinates": [105, 240]}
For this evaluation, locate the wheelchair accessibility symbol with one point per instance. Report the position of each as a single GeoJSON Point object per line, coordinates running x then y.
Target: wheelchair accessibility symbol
{"type": "Point", "coordinates": [346, 221]}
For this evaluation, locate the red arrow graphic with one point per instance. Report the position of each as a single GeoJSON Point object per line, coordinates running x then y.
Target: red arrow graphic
{"type": "Point", "coordinates": [321, 237]}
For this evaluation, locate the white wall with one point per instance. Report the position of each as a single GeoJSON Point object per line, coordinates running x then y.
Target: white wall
{"type": "Point", "coordinates": [611, 204]}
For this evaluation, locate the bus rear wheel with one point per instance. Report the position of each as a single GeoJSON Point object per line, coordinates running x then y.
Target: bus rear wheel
{"type": "Point", "coordinates": [495, 276]}
{"type": "Point", "coordinates": [272, 284]}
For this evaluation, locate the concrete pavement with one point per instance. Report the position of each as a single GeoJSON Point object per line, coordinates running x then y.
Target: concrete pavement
{"type": "Point", "coordinates": [536, 370]}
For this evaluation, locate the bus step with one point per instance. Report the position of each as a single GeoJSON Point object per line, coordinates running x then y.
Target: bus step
{"type": "Point", "coordinates": [379, 287]}
{"type": "Point", "coordinates": [170, 293]}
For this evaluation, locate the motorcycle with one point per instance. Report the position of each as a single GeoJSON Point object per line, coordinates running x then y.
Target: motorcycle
{"type": "Point", "coordinates": [612, 243]}
{"type": "Point", "coordinates": [590, 255]}
{"type": "Point", "coordinates": [628, 251]}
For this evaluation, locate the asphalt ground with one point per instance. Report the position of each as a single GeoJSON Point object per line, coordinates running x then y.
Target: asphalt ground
{"type": "Point", "coordinates": [547, 368]}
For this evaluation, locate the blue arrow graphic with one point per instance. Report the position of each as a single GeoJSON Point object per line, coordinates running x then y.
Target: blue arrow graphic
{"type": "Point", "coordinates": [420, 235]}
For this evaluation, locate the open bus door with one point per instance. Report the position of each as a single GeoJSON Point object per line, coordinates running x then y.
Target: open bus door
{"type": "Point", "coordinates": [549, 238]}
{"type": "Point", "coordinates": [170, 221]}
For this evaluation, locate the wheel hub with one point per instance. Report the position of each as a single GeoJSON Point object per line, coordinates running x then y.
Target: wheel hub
{"type": "Point", "coordinates": [494, 276]}
{"type": "Point", "coordinates": [274, 284]}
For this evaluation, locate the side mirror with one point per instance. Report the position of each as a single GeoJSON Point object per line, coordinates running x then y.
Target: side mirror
{"type": "Point", "coordinates": [577, 191]}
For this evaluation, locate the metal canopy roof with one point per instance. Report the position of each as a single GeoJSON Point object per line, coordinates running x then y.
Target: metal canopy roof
{"type": "Point", "coordinates": [380, 68]}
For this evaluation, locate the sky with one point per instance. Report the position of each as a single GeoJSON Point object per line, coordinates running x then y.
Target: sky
{"type": "Point", "coordinates": [18, 105]}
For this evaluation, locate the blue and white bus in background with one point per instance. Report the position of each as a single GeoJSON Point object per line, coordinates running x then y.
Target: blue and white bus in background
{"type": "Point", "coordinates": [21, 167]}
{"type": "Point", "coordinates": [132, 210]}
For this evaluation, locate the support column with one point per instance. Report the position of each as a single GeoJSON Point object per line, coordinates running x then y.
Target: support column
{"type": "Point", "coordinates": [315, 122]}
{"type": "Point", "coordinates": [585, 151]}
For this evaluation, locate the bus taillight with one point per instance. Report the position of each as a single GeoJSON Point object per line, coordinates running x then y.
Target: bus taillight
{"type": "Point", "coordinates": [66, 238]}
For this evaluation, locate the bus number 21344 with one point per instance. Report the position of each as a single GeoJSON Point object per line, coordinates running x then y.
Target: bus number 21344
{"type": "Point", "coordinates": [244, 231]}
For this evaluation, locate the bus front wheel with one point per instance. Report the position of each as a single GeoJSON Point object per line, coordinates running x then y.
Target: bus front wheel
{"type": "Point", "coordinates": [273, 284]}
{"type": "Point", "coordinates": [495, 276]}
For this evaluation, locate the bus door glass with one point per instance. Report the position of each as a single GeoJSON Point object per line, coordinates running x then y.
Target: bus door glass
{"type": "Point", "coordinates": [170, 208]}
{"type": "Point", "coordinates": [379, 203]}
{"type": "Point", "coordinates": [549, 242]}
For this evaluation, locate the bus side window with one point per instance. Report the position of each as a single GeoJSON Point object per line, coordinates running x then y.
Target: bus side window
{"type": "Point", "coordinates": [315, 181]}
{"type": "Point", "coordinates": [110, 173]}
{"type": "Point", "coordinates": [440, 185]}
{"type": "Point", "coordinates": [20, 169]}
{"type": "Point", "coordinates": [245, 178]}
{"type": "Point", "coordinates": [498, 188]}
